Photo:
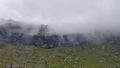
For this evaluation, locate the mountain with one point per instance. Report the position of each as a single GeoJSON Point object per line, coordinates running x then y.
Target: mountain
{"type": "Point", "coordinates": [15, 32]}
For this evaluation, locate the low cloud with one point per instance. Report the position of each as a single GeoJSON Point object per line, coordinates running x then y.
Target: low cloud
{"type": "Point", "coordinates": [65, 16]}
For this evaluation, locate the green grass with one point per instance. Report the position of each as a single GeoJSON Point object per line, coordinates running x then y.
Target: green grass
{"type": "Point", "coordinates": [92, 56]}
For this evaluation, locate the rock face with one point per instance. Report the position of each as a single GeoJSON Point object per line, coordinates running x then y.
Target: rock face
{"type": "Point", "coordinates": [45, 41]}
{"type": "Point", "coordinates": [14, 33]}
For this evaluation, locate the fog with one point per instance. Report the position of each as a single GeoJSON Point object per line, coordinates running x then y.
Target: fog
{"type": "Point", "coordinates": [65, 16]}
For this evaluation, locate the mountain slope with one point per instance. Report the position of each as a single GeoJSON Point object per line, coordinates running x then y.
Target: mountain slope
{"type": "Point", "coordinates": [92, 56]}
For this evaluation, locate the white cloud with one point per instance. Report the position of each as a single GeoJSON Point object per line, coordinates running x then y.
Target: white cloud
{"type": "Point", "coordinates": [72, 15]}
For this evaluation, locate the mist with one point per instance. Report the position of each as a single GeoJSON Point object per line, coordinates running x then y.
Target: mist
{"type": "Point", "coordinates": [65, 16]}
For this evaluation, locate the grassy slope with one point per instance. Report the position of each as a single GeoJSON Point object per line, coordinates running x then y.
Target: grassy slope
{"type": "Point", "coordinates": [104, 56]}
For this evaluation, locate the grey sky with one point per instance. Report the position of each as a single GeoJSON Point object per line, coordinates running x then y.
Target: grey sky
{"type": "Point", "coordinates": [72, 15]}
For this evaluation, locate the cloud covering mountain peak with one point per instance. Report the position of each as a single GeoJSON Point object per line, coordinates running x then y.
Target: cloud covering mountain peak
{"type": "Point", "coordinates": [65, 16]}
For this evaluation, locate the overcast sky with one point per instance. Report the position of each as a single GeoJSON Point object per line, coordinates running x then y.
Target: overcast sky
{"type": "Point", "coordinates": [72, 15]}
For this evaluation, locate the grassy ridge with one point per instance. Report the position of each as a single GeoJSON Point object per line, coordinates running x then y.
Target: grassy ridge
{"type": "Point", "coordinates": [103, 56]}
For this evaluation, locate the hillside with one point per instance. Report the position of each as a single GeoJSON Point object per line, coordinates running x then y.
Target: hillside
{"type": "Point", "coordinates": [93, 56]}
{"type": "Point", "coordinates": [28, 46]}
